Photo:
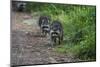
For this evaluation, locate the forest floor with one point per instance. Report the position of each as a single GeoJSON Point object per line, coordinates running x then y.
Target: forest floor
{"type": "Point", "coordinates": [28, 47]}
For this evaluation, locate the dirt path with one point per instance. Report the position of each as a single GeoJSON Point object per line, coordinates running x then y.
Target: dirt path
{"type": "Point", "coordinates": [27, 48]}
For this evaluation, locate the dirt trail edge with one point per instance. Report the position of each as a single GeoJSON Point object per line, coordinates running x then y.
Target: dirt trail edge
{"type": "Point", "coordinates": [26, 48]}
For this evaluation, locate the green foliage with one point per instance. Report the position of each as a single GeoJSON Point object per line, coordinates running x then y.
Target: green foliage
{"type": "Point", "coordinates": [78, 24]}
